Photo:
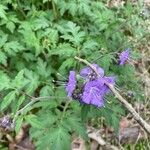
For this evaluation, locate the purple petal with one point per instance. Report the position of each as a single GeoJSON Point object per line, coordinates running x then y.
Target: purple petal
{"type": "Point", "coordinates": [70, 87]}
{"type": "Point", "coordinates": [99, 69]}
{"type": "Point", "coordinates": [87, 70]}
{"type": "Point", "coordinates": [86, 98]}
{"type": "Point", "coordinates": [92, 93]}
{"type": "Point", "coordinates": [123, 57]}
{"type": "Point", "coordinates": [97, 98]}
{"type": "Point", "coordinates": [95, 83]}
{"type": "Point", "coordinates": [109, 80]}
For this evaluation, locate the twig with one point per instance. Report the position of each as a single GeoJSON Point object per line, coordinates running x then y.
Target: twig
{"type": "Point", "coordinates": [127, 105]}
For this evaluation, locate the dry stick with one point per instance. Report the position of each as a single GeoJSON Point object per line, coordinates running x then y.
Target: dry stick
{"type": "Point", "coordinates": [127, 105]}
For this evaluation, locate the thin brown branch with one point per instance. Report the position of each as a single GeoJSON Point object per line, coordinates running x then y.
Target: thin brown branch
{"type": "Point", "coordinates": [125, 103]}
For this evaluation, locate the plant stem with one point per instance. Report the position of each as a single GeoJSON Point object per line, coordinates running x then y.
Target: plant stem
{"type": "Point", "coordinates": [54, 9]}
{"type": "Point", "coordinates": [33, 100]}
{"type": "Point", "coordinates": [127, 105]}
{"type": "Point", "coordinates": [64, 110]}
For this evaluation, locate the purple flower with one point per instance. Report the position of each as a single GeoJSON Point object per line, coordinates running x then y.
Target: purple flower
{"type": "Point", "coordinates": [92, 95]}
{"type": "Point", "coordinates": [88, 73]}
{"type": "Point", "coordinates": [95, 88]}
{"type": "Point", "coordinates": [95, 91]}
{"type": "Point", "coordinates": [123, 57]}
{"type": "Point", "coordinates": [70, 87]}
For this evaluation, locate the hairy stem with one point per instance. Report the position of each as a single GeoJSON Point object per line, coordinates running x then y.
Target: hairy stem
{"type": "Point", "coordinates": [125, 103]}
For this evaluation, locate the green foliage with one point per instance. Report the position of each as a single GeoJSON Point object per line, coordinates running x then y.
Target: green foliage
{"type": "Point", "coordinates": [39, 39]}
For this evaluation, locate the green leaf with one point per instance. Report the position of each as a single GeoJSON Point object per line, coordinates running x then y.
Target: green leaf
{"type": "Point", "coordinates": [46, 104]}
{"type": "Point", "coordinates": [32, 81]}
{"type": "Point", "coordinates": [18, 123]}
{"type": "Point", "coordinates": [19, 102]}
{"type": "Point", "coordinates": [84, 112]}
{"type": "Point", "coordinates": [106, 61]}
{"type": "Point", "coordinates": [13, 47]}
{"type": "Point", "coordinates": [11, 26]}
{"type": "Point", "coordinates": [72, 7]}
{"type": "Point", "coordinates": [4, 38]}
{"type": "Point", "coordinates": [29, 37]}
{"type": "Point", "coordinates": [60, 139]}
{"type": "Point", "coordinates": [67, 64]}
{"type": "Point", "coordinates": [76, 124]}
{"type": "Point", "coordinates": [42, 68]}
{"type": "Point", "coordinates": [41, 23]}
{"type": "Point", "coordinates": [111, 118]}
{"type": "Point", "coordinates": [47, 91]}
{"type": "Point", "coordinates": [3, 12]}
{"type": "Point", "coordinates": [3, 58]}
{"type": "Point", "coordinates": [4, 81]}
{"type": "Point", "coordinates": [34, 121]}
{"type": "Point", "coordinates": [53, 36]}
{"type": "Point", "coordinates": [8, 99]}
{"type": "Point", "coordinates": [64, 50]}
{"type": "Point", "coordinates": [72, 33]}
{"type": "Point", "coordinates": [19, 80]}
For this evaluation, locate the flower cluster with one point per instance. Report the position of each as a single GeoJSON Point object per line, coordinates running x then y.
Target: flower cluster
{"type": "Point", "coordinates": [94, 87]}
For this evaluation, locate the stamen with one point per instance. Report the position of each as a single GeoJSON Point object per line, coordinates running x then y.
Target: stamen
{"type": "Point", "coordinates": [58, 81]}
{"type": "Point", "coordinates": [61, 76]}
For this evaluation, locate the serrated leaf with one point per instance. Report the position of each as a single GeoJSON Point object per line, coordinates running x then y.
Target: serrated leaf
{"type": "Point", "coordinates": [60, 139]}
{"type": "Point", "coordinates": [11, 26]}
{"type": "Point", "coordinates": [4, 81]}
{"type": "Point", "coordinates": [13, 47]}
{"type": "Point", "coordinates": [111, 118]}
{"type": "Point", "coordinates": [72, 33]}
{"type": "Point", "coordinates": [106, 61]}
{"type": "Point", "coordinates": [41, 23]}
{"type": "Point", "coordinates": [30, 37]}
{"type": "Point", "coordinates": [65, 50]}
{"type": "Point", "coordinates": [18, 124]}
{"type": "Point", "coordinates": [19, 102]}
{"type": "Point", "coordinates": [8, 99]}
{"type": "Point", "coordinates": [32, 81]}
{"type": "Point", "coordinates": [19, 80]}
{"type": "Point", "coordinates": [3, 12]}
{"type": "Point", "coordinates": [72, 7]}
{"type": "Point", "coordinates": [67, 64]}
{"type": "Point", "coordinates": [77, 125]}
{"type": "Point", "coordinates": [47, 90]}
{"type": "Point", "coordinates": [84, 112]}
{"type": "Point", "coordinates": [34, 121]}
{"type": "Point", "coordinates": [42, 68]}
{"type": "Point", "coordinates": [3, 40]}
{"type": "Point", "coordinates": [3, 58]}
